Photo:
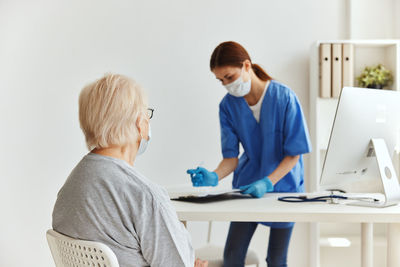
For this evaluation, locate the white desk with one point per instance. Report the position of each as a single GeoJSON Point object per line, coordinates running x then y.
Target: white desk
{"type": "Point", "coordinates": [269, 209]}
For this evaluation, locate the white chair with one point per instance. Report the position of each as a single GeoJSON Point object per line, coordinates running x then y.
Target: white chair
{"type": "Point", "coordinates": [215, 254]}
{"type": "Point", "coordinates": [70, 252]}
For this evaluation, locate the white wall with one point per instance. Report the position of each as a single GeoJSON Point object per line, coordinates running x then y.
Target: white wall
{"type": "Point", "coordinates": [396, 11]}
{"type": "Point", "coordinates": [50, 49]}
{"type": "Point", "coordinates": [373, 19]}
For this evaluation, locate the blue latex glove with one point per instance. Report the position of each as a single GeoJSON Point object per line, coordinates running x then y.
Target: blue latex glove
{"type": "Point", "coordinates": [203, 177]}
{"type": "Point", "coordinates": [258, 188]}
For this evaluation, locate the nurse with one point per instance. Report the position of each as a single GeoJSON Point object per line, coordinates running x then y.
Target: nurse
{"type": "Point", "coordinates": [266, 118]}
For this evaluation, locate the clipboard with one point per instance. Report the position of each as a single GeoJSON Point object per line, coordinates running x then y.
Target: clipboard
{"type": "Point", "coordinates": [204, 194]}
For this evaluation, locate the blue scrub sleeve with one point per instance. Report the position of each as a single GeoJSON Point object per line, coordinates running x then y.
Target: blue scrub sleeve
{"type": "Point", "coordinates": [229, 139]}
{"type": "Point", "coordinates": [296, 137]}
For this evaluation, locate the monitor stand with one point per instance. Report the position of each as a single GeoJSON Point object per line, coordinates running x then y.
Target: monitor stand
{"type": "Point", "coordinates": [387, 173]}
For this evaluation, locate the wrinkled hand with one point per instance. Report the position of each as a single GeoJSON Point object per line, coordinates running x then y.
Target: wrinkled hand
{"type": "Point", "coordinates": [258, 188]}
{"type": "Point", "coordinates": [200, 263]}
{"type": "Point", "coordinates": [203, 177]}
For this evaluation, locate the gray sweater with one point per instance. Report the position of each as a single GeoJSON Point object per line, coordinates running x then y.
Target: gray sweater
{"type": "Point", "coordinates": [105, 199]}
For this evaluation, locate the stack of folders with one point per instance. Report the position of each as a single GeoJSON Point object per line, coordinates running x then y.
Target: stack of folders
{"type": "Point", "coordinates": [336, 68]}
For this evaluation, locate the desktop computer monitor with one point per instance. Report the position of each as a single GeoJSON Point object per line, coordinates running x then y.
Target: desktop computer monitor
{"type": "Point", "coordinates": [364, 139]}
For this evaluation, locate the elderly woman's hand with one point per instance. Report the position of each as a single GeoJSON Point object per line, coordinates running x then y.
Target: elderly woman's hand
{"type": "Point", "coordinates": [200, 263]}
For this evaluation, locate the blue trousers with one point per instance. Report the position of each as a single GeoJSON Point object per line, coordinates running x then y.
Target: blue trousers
{"type": "Point", "coordinates": [238, 240]}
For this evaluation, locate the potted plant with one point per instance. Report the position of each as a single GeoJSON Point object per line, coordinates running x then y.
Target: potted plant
{"type": "Point", "coordinates": [375, 77]}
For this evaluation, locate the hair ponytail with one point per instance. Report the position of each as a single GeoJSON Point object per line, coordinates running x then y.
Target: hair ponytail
{"type": "Point", "coordinates": [260, 72]}
{"type": "Point", "coordinates": [233, 54]}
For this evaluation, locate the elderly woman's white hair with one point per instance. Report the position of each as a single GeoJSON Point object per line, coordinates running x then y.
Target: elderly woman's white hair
{"type": "Point", "coordinates": [109, 109]}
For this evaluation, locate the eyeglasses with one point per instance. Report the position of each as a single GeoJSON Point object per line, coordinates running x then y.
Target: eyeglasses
{"type": "Point", "coordinates": [150, 112]}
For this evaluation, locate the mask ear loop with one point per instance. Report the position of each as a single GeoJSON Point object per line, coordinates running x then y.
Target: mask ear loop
{"type": "Point", "coordinates": [141, 136]}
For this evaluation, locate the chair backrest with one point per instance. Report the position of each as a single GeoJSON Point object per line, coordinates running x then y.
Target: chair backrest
{"type": "Point", "coordinates": [70, 252]}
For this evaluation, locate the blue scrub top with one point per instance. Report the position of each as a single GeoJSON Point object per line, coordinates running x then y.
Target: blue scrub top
{"type": "Point", "coordinates": [282, 131]}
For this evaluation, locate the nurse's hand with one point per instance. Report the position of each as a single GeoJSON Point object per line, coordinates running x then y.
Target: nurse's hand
{"type": "Point", "coordinates": [258, 188]}
{"type": "Point", "coordinates": [203, 177]}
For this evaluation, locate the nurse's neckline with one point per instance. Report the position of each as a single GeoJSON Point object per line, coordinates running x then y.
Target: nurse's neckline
{"type": "Point", "coordinates": [254, 96]}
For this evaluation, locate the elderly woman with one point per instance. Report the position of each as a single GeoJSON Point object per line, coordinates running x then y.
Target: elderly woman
{"type": "Point", "coordinates": [105, 198]}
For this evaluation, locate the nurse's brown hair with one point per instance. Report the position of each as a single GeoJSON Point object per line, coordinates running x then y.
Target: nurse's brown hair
{"type": "Point", "coordinates": [233, 54]}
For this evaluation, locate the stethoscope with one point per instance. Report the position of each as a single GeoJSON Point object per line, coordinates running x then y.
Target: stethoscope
{"type": "Point", "coordinates": [332, 198]}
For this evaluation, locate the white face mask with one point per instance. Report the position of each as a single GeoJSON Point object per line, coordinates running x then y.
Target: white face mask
{"type": "Point", "coordinates": [144, 143]}
{"type": "Point", "coordinates": [239, 88]}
